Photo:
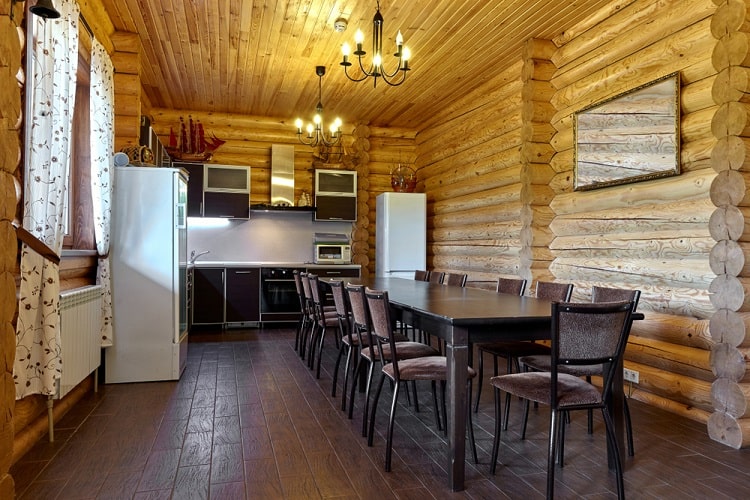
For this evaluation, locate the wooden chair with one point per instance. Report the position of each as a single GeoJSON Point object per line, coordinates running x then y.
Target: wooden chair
{"type": "Point", "coordinates": [307, 312]}
{"type": "Point", "coordinates": [513, 286]}
{"type": "Point", "coordinates": [421, 275]}
{"type": "Point", "coordinates": [373, 352]}
{"type": "Point", "coordinates": [304, 319]}
{"type": "Point", "coordinates": [349, 341]}
{"type": "Point", "coordinates": [433, 368]}
{"type": "Point", "coordinates": [582, 335]}
{"type": "Point", "coordinates": [436, 277]}
{"type": "Point", "coordinates": [512, 350]}
{"type": "Point", "coordinates": [323, 320]}
{"type": "Point", "coordinates": [455, 279]}
{"type": "Point", "coordinates": [542, 362]}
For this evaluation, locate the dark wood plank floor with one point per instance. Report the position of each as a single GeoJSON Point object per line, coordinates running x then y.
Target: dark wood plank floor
{"type": "Point", "coordinates": [249, 420]}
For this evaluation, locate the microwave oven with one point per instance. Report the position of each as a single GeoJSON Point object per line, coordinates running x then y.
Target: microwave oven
{"type": "Point", "coordinates": [333, 253]}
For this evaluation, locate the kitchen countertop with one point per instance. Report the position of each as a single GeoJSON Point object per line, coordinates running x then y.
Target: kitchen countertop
{"type": "Point", "coordinates": [309, 265]}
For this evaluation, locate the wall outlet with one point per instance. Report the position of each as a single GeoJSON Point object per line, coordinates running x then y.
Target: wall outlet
{"type": "Point", "coordinates": [630, 375]}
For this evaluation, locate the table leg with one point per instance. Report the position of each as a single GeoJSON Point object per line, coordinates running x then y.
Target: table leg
{"type": "Point", "coordinates": [616, 407]}
{"type": "Point", "coordinates": [457, 353]}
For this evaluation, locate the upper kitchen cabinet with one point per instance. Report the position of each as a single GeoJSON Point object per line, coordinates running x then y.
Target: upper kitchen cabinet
{"type": "Point", "coordinates": [195, 187]}
{"type": "Point", "coordinates": [335, 195]}
{"type": "Point", "coordinates": [217, 190]}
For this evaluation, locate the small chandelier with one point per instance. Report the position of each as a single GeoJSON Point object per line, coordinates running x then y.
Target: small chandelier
{"type": "Point", "coordinates": [376, 68]}
{"type": "Point", "coordinates": [315, 133]}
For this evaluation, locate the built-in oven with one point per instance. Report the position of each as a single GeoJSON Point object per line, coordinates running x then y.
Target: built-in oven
{"type": "Point", "coordinates": [278, 294]}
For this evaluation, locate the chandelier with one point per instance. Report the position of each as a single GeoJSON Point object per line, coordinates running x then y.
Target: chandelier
{"type": "Point", "coordinates": [315, 133]}
{"type": "Point", "coordinates": [398, 76]}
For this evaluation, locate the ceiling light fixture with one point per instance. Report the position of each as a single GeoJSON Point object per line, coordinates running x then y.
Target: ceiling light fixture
{"type": "Point", "coordinates": [315, 133]}
{"type": "Point", "coordinates": [376, 68]}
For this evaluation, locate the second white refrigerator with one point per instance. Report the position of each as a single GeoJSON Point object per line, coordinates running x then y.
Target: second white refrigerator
{"type": "Point", "coordinates": [400, 234]}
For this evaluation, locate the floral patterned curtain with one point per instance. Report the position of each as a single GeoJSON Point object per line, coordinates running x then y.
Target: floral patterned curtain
{"type": "Point", "coordinates": [102, 119]}
{"type": "Point", "coordinates": [51, 89]}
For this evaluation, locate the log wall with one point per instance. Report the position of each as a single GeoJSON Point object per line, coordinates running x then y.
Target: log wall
{"type": "Point", "coordinates": [11, 42]}
{"type": "Point", "coordinates": [469, 165]}
{"type": "Point", "coordinates": [497, 168]}
{"type": "Point", "coordinates": [730, 391]}
{"type": "Point", "coordinates": [654, 235]}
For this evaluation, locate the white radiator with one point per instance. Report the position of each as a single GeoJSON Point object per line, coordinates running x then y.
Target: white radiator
{"type": "Point", "coordinates": [80, 335]}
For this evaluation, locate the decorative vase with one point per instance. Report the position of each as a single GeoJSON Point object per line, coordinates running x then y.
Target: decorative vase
{"type": "Point", "coordinates": [403, 179]}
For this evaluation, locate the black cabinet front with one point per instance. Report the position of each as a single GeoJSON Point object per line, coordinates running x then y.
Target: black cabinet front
{"type": "Point", "coordinates": [242, 295]}
{"type": "Point", "coordinates": [208, 296]}
{"type": "Point", "coordinates": [195, 188]}
{"type": "Point", "coordinates": [218, 204]}
{"type": "Point", "coordinates": [343, 208]}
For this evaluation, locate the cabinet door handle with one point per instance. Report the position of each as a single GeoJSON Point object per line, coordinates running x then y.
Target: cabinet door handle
{"type": "Point", "coordinates": [331, 273]}
{"type": "Point", "coordinates": [242, 272]}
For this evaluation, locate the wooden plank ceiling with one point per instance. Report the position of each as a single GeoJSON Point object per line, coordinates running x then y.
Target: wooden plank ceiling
{"type": "Point", "coordinates": [258, 57]}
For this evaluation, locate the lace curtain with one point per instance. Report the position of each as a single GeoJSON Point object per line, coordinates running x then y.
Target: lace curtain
{"type": "Point", "coordinates": [51, 87]}
{"type": "Point", "coordinates": [102, 118]}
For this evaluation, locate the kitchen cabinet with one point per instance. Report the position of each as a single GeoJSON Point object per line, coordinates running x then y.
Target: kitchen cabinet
{"type": "Point", "coordinates": [335, 195]}
{"type": "Point", "coordinates": [242, 295]}
{"type": "Point", "coordinates": [208, 296]}
{"type": "Point", "coordinates": [343, 208]}
{"type": "Point", "coordinates": [195, 187]}
{"type": "Point", "coordinates": [217, 190]}
{"type": "Point", "coordinates": [232, 205]}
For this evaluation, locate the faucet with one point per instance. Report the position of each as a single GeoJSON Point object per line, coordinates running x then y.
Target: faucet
{"type": "Point", "coordinates": [194, 256]}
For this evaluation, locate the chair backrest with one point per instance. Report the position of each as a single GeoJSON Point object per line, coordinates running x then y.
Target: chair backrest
{"type": "Point", "coordinates": [342, 307]}
{"type": "Point", "coordinates": [339, 298]}
{"type": "Point", "coordinates": [305, 285]}
{"type": "Point", "coordinates": [589, 334]}
{"type": "Point", "coordinates": [436, 277]}
{"type": "Point", "coordinates": [455, 279]}
{"type": "Point", "coordinates": [317, 303]}
{"type": "Point", "coordinates": [603, 294]}
{"type": "Point", "coordinates": [360, 318]}
{"type": "Point", "coordinates": [421, 275]}
{"type": "Point", "coordinates": [308, 301]}
{"type": "Point", "coordinates": [380, 323]}
{"type": "Point", "coordinates": [314, 288]}
{"type": "Point", "coordinates": [300, 290]}
{"type": "Point", "coordinates": [555, 292]}
{"type": "Point", "coordinates": [513, 286]}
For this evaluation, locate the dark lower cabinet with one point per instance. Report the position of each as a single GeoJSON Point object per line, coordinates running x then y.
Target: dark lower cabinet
{"type": "Point", "coordinates": [208, 296]}
{"type": "Point", "coordinates": [334, 272]}
{"type": "Point", "coordinates": [242, 295]}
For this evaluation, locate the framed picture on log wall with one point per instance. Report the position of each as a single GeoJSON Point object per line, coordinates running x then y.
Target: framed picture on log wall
{"type": "Point", "coordinates": [633, 136]}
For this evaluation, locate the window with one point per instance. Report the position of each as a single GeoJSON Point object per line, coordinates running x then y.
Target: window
{"type": "Point", "coordinates": [79, 217]}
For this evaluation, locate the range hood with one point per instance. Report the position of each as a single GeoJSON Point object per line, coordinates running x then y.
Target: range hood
{"type": "Point", "coordinates": [282, 175]}
{"type": "Point", "coordinates": [282, 182]}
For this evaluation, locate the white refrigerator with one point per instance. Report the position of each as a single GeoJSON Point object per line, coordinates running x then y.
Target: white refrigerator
{"type": "Point", "coordinates": [400, 234]}
{"type": "Point", "coordinates": [148, 252]}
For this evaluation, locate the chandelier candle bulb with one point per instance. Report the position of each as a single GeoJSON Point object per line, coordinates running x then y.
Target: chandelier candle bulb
{"type": "Point", "coordinates": [376, 69]}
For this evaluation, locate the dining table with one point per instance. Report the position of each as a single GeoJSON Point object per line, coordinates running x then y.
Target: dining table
{"type": "Point", "coordinates": [462, 316]}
